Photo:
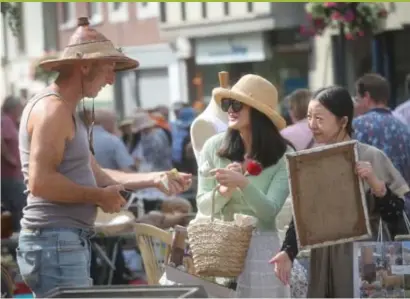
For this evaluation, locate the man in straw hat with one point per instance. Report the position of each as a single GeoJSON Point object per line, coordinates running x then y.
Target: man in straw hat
{"type": "Point", "coordinates": [65, 184]}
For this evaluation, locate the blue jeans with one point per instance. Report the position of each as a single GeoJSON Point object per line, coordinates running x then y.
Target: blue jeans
{"type": "Point", "coordinates": [50, 258]}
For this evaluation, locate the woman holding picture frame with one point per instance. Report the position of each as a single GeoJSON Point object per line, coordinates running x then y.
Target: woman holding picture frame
{"type": "Point", "coordinates": [330, 115]}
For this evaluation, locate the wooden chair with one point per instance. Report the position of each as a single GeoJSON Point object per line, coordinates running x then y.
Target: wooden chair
{"type": "Point", "coordinates": [148, 238]}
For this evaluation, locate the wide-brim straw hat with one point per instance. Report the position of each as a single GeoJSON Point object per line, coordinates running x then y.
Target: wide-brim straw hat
{"type": "Point", "coordinates": [256, 92]}
{"type": "Point", "coordinates": [142, 120]}
{"type": "Point", "coordinates": [87, 44]}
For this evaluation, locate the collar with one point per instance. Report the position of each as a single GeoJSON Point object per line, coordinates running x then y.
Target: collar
{"type": "Point", "coordinates": [380, 110]}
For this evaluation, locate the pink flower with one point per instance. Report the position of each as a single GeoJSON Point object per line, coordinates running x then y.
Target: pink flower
{"type": "Point", "coordinates": [360, 33]}
{"type": "Point", "coordinates": [330, 4]}
{"type": "Point", "coordinates": [349, 16]}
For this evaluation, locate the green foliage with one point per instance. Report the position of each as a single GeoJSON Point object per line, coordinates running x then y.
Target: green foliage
{"type": "Point", "coordinates": [12, 13]}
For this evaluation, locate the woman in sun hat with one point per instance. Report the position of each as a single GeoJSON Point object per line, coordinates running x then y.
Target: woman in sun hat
{"type": "Point", "coordinates": [248, 162]}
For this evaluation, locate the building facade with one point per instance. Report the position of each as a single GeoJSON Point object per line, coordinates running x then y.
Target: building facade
{"type": "Point", "coordinates": [21, 50]}
{"type": "Point", "coordinates": [134, 28]}
{"type": "Point", "coordinates": [238, 37]}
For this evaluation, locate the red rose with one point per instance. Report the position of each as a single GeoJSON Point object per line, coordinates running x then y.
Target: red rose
{"type": "Point", "coordinates": [253, 167]}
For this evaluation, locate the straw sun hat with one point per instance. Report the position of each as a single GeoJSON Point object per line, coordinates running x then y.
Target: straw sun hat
{"type": "Point", "coordinates": [87, 44]}
{"type": "Point", "coordinates": [256, 92]}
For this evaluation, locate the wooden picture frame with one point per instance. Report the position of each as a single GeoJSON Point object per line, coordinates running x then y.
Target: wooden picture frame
{"type": "Point", "coordinates": [329, 204]}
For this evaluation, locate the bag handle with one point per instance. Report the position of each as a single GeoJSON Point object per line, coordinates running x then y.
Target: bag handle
{"type": "Point", "coordinates": [380, 232]}
{"type": "Point", "coordinates": [213, 202]}
{"type": "Point", "coordinates": [214, 190]}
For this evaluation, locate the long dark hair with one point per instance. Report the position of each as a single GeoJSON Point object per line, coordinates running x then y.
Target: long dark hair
{"type": "Point", "coordinates": [268, 145]}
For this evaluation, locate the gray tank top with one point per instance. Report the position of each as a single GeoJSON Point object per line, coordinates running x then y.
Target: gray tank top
{"type": "Point", "coordinates": [44, 213]}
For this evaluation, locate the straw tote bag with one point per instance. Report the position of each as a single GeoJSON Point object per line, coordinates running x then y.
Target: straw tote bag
{"type": "Point", "coordinates": [218, 247]}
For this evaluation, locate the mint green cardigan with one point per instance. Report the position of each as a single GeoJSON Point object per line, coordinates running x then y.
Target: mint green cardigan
{"type": "Point", "coordinates": [262, 198]}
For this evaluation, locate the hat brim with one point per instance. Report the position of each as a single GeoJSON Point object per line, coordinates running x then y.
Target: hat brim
{"type": "Point", "coordinates": [121, 63]}
{"type": "Point", "coordinates": [147, 124]}
{"type": "Point", "coordinates": [220, 93]}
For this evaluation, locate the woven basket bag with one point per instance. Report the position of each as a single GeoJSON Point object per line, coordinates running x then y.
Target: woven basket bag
{"type": "Point", "coordinates": [218, 247]}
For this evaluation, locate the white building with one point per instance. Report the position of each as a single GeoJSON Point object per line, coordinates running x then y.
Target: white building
{"type": "Point", "coordinates": [20, 52]}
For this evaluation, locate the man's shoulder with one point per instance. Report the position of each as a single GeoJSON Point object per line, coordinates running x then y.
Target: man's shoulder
{"type": "Point", "coordinates": [363, 119]}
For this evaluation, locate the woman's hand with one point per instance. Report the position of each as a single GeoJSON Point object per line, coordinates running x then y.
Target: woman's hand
{"type": "Point", "coordinates": [230, 178]}
{"type": "Point", "coordinates": [283, 266]}
{"type": "Point", "coordinates": [226, 191]}
{"type": "Point", "coordinates": [365, 171]}
{"type": "Point", "coordinates": [235, 166]}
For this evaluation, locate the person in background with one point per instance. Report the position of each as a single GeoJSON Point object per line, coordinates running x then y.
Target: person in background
{"type": "Point", "coordinates": [176, 107]}
{"type": "Point", "coordinates": [164, 111]}
{"type": "Point", "coordinates": [284, 108]}
{"type": "Point", "coordinates": [109, 150]}
{"type": "Point", "coordinates": [12, 185]}
{"type": "Point", "coordinates": [161, 122]}
{"type": "Point", "coordinates": [127, 135]}
{"type": "Point", "coordinates": [180, 132]}
{"type": "Point", "coordinates": [377, 126]}
{"type": "Point", "coordinates": [153, 152]}
{"type": "Point", "coordinates": [199, 106]}
{"type": "Point", "coordinates": [402, 112]}
{"type": "Point", "coordinates": [298, 133]}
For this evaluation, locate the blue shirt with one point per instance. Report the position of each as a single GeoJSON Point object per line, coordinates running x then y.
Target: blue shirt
{"type": "Point", "coordinates": [378, 127]}
{"type": "Point", "coordinates": [110, 151]}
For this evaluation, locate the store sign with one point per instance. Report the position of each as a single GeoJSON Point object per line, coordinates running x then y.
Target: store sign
{"type": "Point", "coordinates": [230, 49]}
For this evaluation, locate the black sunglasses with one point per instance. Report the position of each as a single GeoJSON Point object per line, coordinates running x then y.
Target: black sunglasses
{"type": "Point", "coordinates": [236, 105]}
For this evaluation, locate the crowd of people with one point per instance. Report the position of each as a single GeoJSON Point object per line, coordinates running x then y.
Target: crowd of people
{"type": "Point", "coordinates": [147, 141]}
{"type": "Point", "coordinates": [58, 166]}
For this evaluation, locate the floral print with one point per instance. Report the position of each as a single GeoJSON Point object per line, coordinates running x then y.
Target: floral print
{"type": "Point", "coordinates": [380, 128]}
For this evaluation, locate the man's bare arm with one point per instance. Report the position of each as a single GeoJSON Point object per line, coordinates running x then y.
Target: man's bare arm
{"type": "Point", "coordinates": [107, 177]}
{"type": "Point", "coordinates": [50, 125]}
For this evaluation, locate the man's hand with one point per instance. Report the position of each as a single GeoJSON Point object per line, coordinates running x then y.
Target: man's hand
{"type": "Point", "coordinates": [111, 200]}
{"type": "Point", "coordinates": [172, 183]}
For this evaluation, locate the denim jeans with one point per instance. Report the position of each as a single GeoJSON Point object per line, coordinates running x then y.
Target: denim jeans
{"type": "Point", "coordinates": [50, 258]}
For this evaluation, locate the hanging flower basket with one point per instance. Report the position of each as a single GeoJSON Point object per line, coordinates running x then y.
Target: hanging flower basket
{"type": "Point", "coordinates": [38, 73]}
{"type": "Point", "coordinates": [356, 18]}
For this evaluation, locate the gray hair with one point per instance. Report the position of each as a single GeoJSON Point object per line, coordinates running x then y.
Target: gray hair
{"type": "Point", "coordinates": [10, 103]}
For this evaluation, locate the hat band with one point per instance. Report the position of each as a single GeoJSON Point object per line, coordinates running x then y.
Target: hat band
{"type": "Point", "coordinates": [259, 103]}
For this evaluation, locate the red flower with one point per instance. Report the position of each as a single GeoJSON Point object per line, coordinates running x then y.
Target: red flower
{"type": "Point", "coordinates": [360, 33]}
{"type": "Point", "coordinates": [319, 23]}
{"type": "Point", "coordinates": [336, 15]}
{"type": "Point", "coordinates": [253, 167]}
{"type": "Point", "coordinates": [349, 36]}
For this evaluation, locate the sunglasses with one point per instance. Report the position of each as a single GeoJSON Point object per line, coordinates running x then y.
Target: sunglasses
{"type": "Point", "coordinates": [236, 105]}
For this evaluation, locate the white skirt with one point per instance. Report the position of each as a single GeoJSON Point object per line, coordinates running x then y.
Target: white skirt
{"type": "Point", "coordinates": [258, 279]}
